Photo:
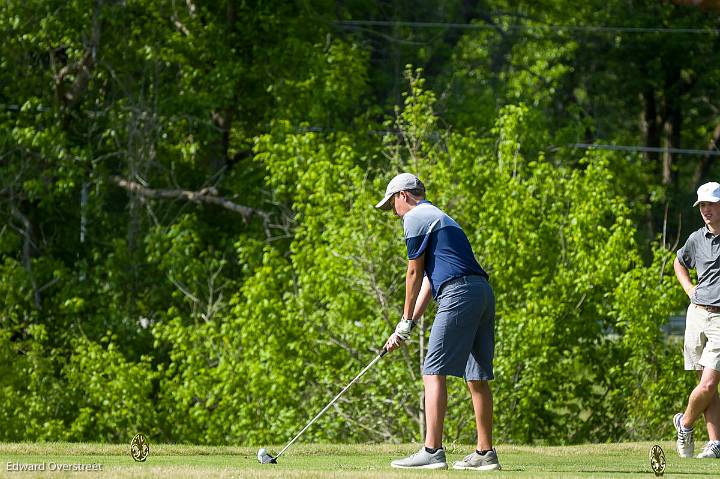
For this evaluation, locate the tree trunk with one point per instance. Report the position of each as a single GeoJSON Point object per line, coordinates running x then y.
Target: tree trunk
{"type": "Point", "coordinates": [28, 249]}
{"type": "Point", "coordinates": [219, 151]}
{"type": "Point", "coordinates": [650, 126]}
{"type": "Point", "coordinates": [651, 131]}
{"type": "Point", "coordinates": [672, 128]}
{"type": "Point", "coordinates": [703, 166]}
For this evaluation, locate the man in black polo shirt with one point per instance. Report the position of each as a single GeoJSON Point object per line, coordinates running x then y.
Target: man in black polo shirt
{"type": "Point", "coordinates": [702, 327]}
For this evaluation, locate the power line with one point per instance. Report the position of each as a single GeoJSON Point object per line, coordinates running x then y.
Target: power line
{"type": "Point", "coordinates": [4, 106]}
{"type": "Point", "coordinates": [586, 146]}
{"type": "Point", "coordinates": [556, 28]}
{"type": "Point", "coordinates": [649, 149]}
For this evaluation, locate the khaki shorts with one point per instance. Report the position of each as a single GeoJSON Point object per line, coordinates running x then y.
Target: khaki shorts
{"type": "Point", "coordinates": [702, 339]}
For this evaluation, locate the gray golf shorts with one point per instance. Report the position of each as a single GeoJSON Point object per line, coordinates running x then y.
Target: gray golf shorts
{"type": "Point", "coordinates": [462, 338]}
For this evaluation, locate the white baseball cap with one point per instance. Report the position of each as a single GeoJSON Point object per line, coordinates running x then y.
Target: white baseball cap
{"type": "Point", "coordinates": [402, 182]}
{"type": "Point", "coordinates": [709, 192]}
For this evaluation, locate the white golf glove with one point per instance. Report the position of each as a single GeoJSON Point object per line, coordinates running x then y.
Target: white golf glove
{"type": "Point", "coordinates": [403, 328]}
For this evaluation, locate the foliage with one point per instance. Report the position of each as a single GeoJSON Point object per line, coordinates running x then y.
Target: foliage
{"type": "Point", "coordinates": [136, 299]}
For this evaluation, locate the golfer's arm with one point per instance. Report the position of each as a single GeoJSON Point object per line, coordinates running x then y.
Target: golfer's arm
{"type": "Point", "coordinates": [423, 298]}
{"type": "Point", "coordinates": [683, 276]}
{"type": "Point", "coordinates": [413, 284]}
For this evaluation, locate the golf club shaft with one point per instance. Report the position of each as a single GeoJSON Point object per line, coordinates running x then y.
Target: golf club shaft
{"type": "Point", "coordinates": [372, 363]}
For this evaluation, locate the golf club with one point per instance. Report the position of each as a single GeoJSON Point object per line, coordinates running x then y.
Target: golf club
{"type": "Point", "coordinates": [265, 458]}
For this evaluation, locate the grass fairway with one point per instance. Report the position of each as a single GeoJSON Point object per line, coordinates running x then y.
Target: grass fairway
{"type": "Point", "coordinates": [626, 460]}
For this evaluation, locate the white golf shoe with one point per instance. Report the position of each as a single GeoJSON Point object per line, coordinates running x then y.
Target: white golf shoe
{"type": "Point", "coordinates": [710, 451]}
{"type": "Point", "coordinates": [422, 460]}
{"type": "Point", "coordinates": [685, 442]}
{"type": "Point", "coordinates": [479, 462]}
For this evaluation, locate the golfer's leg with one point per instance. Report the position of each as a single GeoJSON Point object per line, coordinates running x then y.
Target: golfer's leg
{"type": "Point", "coordinates": [712, 418]}
{"type": "Point", "coordinates": [483, 405]}
{"type": "Point", "coordinates": [701, 397]}
{"type": "Point", "coordinates": [435, 406]}
{"type": "Point", "coordinates": [712, 415]}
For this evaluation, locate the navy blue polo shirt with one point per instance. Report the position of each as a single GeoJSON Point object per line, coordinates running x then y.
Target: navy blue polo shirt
{"type": "Point", "coordinates": [448, 254]}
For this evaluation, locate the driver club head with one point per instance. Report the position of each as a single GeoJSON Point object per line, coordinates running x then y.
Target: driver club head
{"type": "Point", "coordinates": [264, 457]}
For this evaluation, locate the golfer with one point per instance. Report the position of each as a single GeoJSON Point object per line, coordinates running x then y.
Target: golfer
{"type": "Point", "coordinates": [702, 327]}
{"type": "Point", "coordinates": [441, 263]}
